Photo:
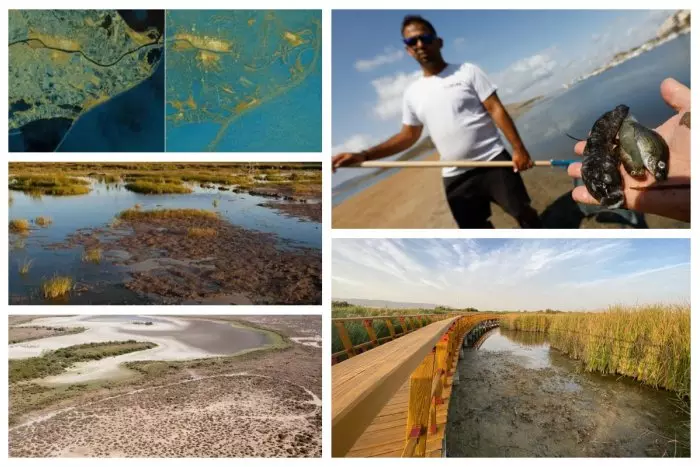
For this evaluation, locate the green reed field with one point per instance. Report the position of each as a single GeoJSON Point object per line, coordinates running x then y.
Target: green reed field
{"type": "Point", "coordinates": [650, 343]}
{"type": "Point", "coordinates": [358, 333]}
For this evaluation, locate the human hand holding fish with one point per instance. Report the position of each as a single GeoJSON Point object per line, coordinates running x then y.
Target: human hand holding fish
{"type": "Point", "coordinates": [657, 193]}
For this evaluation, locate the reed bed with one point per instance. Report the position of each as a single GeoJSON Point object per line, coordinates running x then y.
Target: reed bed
{"type": "Point", "coordinates": [136, 215]}
{"type": "Point", "coordinates": [153, 187]}
{"type": "Point", "coordinates": [43, 221]}
{"type": "Point", "coordinates": [50, 184]}
{"type": "Point", "coordinates": [649, 343]}
{"type": "Point", "coordinates": [356, 330]}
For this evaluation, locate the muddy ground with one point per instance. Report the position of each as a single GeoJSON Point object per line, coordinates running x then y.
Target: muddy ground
{"type": "Point", "coordinates": [304, 211]}
{"type": "Point", "coordinates": [235, 266]}
{"type": "Point", "coordinates": [264, 403]}
{"type": "Point", "coordinates": [510, 405]}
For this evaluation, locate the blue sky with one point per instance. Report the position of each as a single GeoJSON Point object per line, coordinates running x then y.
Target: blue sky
{"type": "Point", "coordinates": [514, 274]}
{"type": "Point", "coordinates": [526, 53]}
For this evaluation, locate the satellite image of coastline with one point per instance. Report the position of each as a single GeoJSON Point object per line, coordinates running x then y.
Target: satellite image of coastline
{"type": "Point", "coordinates": [243, 80]}
{"type": "Point", "coordinates": [86, 80]}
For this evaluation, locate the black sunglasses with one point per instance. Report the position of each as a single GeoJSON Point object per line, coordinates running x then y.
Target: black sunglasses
{"type": "Point", "coordinates": [424, 38]}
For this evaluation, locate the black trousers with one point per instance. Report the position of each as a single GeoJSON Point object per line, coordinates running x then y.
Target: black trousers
{"type": "Point", "coordinates": [470, 195]}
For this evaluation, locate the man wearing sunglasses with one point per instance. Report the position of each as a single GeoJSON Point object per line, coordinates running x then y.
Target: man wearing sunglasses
{"type": "Point", "coordinates": [459, 106]}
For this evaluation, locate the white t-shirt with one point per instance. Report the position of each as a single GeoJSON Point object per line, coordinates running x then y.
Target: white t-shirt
{"type": "Point", "coordinates": [449, 105]}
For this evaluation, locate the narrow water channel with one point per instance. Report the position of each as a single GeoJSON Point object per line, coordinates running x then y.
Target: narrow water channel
{"type": "Point", "coordinates": [517, 397]}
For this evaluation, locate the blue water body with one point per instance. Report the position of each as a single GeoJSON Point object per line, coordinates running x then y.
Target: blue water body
{"type": "Point", "coordinates": [99, 208]}
{"type": "Point", "coordinates": [259, 91]}
{"type": "Point", "coordinates": [635, 83]}
{"type": "Point", "coordinates": [133, 121]}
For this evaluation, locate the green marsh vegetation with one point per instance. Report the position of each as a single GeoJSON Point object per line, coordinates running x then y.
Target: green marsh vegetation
{"type": "Point", "coordinates": [19, 226]}
{"type": "Point", "coordinates": [49, 184]}
{"type": "Point", "coordinates": [92, 255]}
{"type": "Point", "coordinates": [24, 266]}
{"type": "Point", "coordinates": [648, 343]}
{"type": "Point", "coordinates": [56, 361]}
{"type": "Point", "coordinates": [57, 286]}
{"type": "Point", "coordinates": [138, 215]}
{"type": "Point", "coordinates": [150, 187]}
{"type": "Point", "coordinates": [358, 333]}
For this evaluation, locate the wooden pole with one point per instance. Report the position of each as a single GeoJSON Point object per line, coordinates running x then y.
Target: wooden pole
{"type": "Point", "coordinates": [459, 164]}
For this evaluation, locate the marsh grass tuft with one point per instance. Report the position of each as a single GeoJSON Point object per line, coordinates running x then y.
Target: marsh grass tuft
{"type": "Point", "coordinates": [43, 221]}
{"type": "Point", "coordinates": [20, 226]}
{"type": "Point", "coordinates": [649, 343]}
{"type": "Point", "coordinates": [199, 232]}
{"type": "Point", "coordinates": [158, 187]}
{"type": "Point", "coordinates": [136, 215]}
{"type": "Point", "coordinates": [25, 266]}
{"type": "Point", "coordinates": [57, 286]}
{"type": "Point", "coordinates": [92, 255]}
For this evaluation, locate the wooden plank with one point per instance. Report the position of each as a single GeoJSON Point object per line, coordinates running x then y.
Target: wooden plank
{"type": "Point", "coordinates": [362, 385]}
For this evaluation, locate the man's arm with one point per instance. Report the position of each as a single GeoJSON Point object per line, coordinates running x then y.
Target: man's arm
{"type": "Point", "coordinates": [401, 141]}
{"type": "Point", "coordinates": [500, 116]}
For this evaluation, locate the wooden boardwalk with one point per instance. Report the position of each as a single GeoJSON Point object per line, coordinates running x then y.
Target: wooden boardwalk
{"type": "Point", "coordinates": [393, 400]}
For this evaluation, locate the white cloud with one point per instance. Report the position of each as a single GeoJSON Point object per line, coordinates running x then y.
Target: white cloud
{"type": "Point", "coordinates": [526, 72]}
{"type": "Point", "coordinates": [355, 143]}
{"type": "Point", "coordinates": [390, 91]}
{"type": "Point", "coordinates": [390, 55]}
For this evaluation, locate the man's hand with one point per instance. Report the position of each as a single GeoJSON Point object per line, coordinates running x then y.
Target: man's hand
{"type": "Point", "coordinates": [345, 159]}
{"type": "Point", "coordinates": [671, 202]}
{"type": "Point", "coordinates": [521, 160]}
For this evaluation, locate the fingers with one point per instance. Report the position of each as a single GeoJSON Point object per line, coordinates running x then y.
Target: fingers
{"type": "Point", "coordinates": [574, 170]}
{"type": "Point", "coordinates": [675, 94]}
{"type": "Point", "coordinates": [578, 147]}
{"type": "Point", "coordinates": [581, 195]}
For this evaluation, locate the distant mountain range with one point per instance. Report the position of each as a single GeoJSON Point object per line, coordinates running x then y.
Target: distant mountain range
{"type": "Point", "coordinates": [384, 303]}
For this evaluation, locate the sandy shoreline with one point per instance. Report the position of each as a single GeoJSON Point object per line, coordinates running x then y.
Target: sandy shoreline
{"type": "Point", "coordinates": [415, 199]}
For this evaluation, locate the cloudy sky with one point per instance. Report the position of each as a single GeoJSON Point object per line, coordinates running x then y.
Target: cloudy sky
{"type": "Point", "coordinates": [526, 53]}
{"type": "Point", "coordinates": [522, 274]}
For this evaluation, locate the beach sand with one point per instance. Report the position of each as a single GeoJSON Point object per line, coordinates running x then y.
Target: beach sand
{"type": "Point", "coordinates": [415, 199]}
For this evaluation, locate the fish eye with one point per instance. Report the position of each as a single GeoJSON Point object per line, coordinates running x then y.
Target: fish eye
{"type": "Point", "coordinates": [661, 165]}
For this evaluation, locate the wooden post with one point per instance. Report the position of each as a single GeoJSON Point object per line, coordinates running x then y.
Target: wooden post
{"type": "Point", "coordinates": [441, 351]}
{"type": "Point", "coordinates": [419, 404]}
{"type": "Point", "coordinates": [370, 332]}
{"type": "Point", "coordinates": [390, 326]}
{"type": "Point", "coordinates": [345, 338]}
{"type": "Point", "coordinates": [402, 322]}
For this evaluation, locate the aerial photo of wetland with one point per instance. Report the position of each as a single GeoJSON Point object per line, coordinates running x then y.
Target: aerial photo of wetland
{"type": "Point", "coordinates": [86, 80]}
{"type": "Point", "coordinates": [164, 386]}
{"type": "Point", "coordinates": [165, 233]}
{"type": "Point", "coordinates": [243, 80]}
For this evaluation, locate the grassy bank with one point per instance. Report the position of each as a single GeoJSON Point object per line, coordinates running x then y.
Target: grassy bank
{"type": "Point", "coordinates": [651, 344]}
{"type": "Point", "coordinates": [302, 179]}
{"type": "Point", "coordinates": [52, 184]}
{"type": "Point", "coordinates": [56, 361]}
{"type": "Point", "coordinates": [356, 330]}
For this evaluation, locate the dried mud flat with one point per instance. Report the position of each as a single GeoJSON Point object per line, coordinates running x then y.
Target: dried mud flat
{"type": "Point", "coordinates": [235, 266]}
{"type": "Point", "coordinates": [502, 408]}
{"type": "Point", "coordinates": [261, 404]}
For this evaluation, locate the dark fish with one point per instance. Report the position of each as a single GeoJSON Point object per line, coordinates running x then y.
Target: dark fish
{"type": "Point", "coordinates": [629, 153]}
{"type": "Point", "coordinates": [599, 169]}
{"type": "Point", "coordinates": [640, 144]}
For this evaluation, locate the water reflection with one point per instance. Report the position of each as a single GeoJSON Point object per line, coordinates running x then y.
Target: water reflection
{"type": "Point", "coordinates": [530, 349]}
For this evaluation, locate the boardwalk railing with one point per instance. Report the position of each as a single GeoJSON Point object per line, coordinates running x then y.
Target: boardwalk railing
{"type": "Point", "coordinates": [427, 358]}
{"type": "Point", "coordinates": [396, 326]}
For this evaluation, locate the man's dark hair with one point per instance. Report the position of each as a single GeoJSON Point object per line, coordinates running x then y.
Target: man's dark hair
{"type": "Point", "coordinates": [411, 19]}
